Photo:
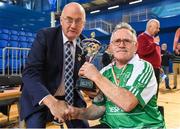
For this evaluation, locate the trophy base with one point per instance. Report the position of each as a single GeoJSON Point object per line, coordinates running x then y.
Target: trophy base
{"type": "Point", "coordinates": [85, 84]}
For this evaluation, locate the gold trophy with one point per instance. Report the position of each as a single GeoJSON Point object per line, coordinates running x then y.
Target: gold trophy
{"type": "Point", "coordinates": [91, 47]}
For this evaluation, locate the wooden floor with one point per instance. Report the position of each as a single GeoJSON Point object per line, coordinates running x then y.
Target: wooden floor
{"type": "Point", "coordinates": [170, 99]}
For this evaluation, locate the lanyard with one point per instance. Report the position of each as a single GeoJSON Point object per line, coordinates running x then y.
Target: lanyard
{"type": "Point", "coordinates": [117, 80]}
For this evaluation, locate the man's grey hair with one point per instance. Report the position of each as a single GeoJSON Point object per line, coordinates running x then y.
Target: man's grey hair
{"type": "Point", "coordinates": [124, 25]}
{"type": "Point", "coordinates": [150, 21]}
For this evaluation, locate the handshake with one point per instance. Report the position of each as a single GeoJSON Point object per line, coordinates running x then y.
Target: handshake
{"type": "Point", "coordinates": [60, 110]}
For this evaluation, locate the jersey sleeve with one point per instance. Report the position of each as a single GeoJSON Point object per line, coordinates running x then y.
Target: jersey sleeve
{"type": "Point", "coordinates": [143, 84]}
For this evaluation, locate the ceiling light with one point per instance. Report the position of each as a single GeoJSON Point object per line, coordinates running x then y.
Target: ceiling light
{"type": "Point", "coordinates": [134, 2]}
{"type": "Point", "coordinates": [96, 11]}
{"type": "Point", "coordinates": [1, 4]}
{"type": "Point", "coordinates": [113, 7]}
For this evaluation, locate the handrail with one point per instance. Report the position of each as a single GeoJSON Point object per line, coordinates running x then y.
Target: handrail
{"type": "Point", "coordinates": [17, 56]}
{"type": "Point", "coordinates": [104, 25]}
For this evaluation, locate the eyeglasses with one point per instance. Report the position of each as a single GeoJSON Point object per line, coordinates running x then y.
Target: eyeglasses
{"type": "Point", "coordinates": [70, 20]}
{"type": "Point", "coordinates": [124, 41]}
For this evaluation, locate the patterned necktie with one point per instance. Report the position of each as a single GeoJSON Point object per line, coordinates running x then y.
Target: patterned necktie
{"type": "Point", "coordinates": [68, 74]}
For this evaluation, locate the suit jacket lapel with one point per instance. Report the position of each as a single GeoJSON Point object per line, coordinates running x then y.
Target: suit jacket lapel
{"type": "Point", "coordinates": [78, 57]}
{"type": "Point", "coordinates": [60, 50]}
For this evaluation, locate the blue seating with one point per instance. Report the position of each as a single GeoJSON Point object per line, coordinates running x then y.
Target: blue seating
{"type": "Point", "coordinates": [1, 65]}
{"type": "Point", "coordinates": [23, 44]}
{"type": "Point", "coordinates": [30, 44]}
{"type": "Point", "coordinates": [30, 39]}
{"type": "Point", "coordinates": [3, 43]}
{"type": "Point", "coordinates": [29, 34]}
{"type": "Point", "coordinates": [15, 59]}
{"type": "Point", "coordinates": [24, 54]}
{"type": "Point", "coordinates": [6, 31]}
{"type": "Point", "coordinates": [14, 32]}
{"type": "Point", "coordinates": [14, 37]}
{"type": "Point", "coordinates": [22, 38]}
{"type": "Point", "coordinates": [34, 35]}
{"type": "Point", "coordinates": [4, 36]}
{"type": "Point", "coordinates": [22, 33]}
{"type": "Point", "coordinates": [13, 44]}
{"type": "Point", "coordinates": [14, 53]}
{"type": "Point", "coordinates": [1, 53]}
{"type": "Point", "coordinates": [14, 64]}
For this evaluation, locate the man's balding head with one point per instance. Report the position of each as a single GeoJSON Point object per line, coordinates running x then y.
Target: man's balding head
{"type": "Point", "coordinates": [73, 19]}
{"type": "Point", "coordinates": [74, 7]}
{"type": "Point", "coordinates": [153, 27]}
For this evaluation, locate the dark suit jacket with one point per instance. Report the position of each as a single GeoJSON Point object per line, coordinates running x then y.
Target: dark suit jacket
{"type": "Point", "coordinates": [43, 72]}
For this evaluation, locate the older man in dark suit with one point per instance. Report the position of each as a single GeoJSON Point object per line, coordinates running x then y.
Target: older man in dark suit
{"type": "Point", "coordinates": [43, 91]}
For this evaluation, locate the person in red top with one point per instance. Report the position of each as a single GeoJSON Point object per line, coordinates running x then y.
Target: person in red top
{"type": "Point", "coordinates": [176, 39]}
{"type": "Point", "coordinates": [148, 46]}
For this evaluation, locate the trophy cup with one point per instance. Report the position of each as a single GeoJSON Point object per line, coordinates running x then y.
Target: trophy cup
{"type": "Point", "coordinates": [91, 47]}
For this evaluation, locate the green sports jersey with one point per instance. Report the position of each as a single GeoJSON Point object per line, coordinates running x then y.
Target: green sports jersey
{"type": "Point", "coordinates": [138, 77]}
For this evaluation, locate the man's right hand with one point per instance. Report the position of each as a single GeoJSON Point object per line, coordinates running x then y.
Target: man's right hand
{"type": "Point", "coordinates": [74, 113]}
{"type": "Point", "coordinates": [156, 39]}
{"type": "Point", "coordinates": [56, 107]}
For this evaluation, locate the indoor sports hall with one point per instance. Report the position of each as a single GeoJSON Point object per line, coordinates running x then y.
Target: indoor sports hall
{"type": "Point", "coordinates": [33, 62]}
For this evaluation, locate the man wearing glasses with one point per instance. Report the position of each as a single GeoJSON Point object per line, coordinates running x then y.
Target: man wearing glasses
{"type": "Point", "coordinates": [49, 78]}
{"type": "Point", "coordinates": [128, 87]}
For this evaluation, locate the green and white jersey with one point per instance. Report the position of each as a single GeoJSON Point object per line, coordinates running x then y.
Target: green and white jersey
{"type": "Point", "coordinates": [138, 77]}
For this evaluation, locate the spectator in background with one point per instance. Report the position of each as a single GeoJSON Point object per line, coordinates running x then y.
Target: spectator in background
{"type": "Point", "coordinates": [148, 47]}
{"type": "Point", "coordinates": [176, 39]}
{"type": "Point", "coordinates": [176, 64]}
{"type": "Point", "coordinates": [165, 55]}
{"type": "Point", "coordinates": [107, 56]}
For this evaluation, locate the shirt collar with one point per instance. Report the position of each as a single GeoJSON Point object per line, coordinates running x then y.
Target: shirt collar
{"type": "Point", "coordinates": [65, 39]}
{"type": "Point", "coordinates": [148, 34]}
{"type": "Point", "coordinates": [134, 59]}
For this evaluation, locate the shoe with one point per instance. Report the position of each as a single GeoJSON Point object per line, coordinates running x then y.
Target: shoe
{"type": "Point", "coordinates": [174, 87]}
{"type": "Point", "coordinates": [168, 88]}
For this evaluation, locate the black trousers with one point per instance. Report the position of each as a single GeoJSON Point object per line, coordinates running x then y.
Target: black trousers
{"type": "Point", "coordinates": [157, 74]}
{"type": "Point", "coordinates": [4, 109]}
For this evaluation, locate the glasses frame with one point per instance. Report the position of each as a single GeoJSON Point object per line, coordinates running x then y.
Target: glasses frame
{"type": "Point", "coordinates": [125, 42]}
{"type": "Point", "coordinates": [70, 21]}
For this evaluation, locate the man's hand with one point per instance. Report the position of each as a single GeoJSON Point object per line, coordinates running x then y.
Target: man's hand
{"type": "Point", "coordinates": [89, 71]}
{"type": "Point", "coordinates": [156, 39]}
{"type": "Point", "coordinates": [56, 107]}
{"type": "Point", "coordinates": [176, 51]}
{"type": "Point", "coordinates": [73, 113]}
{"type": "Point", "coordinates": [93, 112]}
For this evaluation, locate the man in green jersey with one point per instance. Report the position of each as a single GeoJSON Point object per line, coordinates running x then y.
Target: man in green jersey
{"type": "Point", "coordinates": [127, 97]}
